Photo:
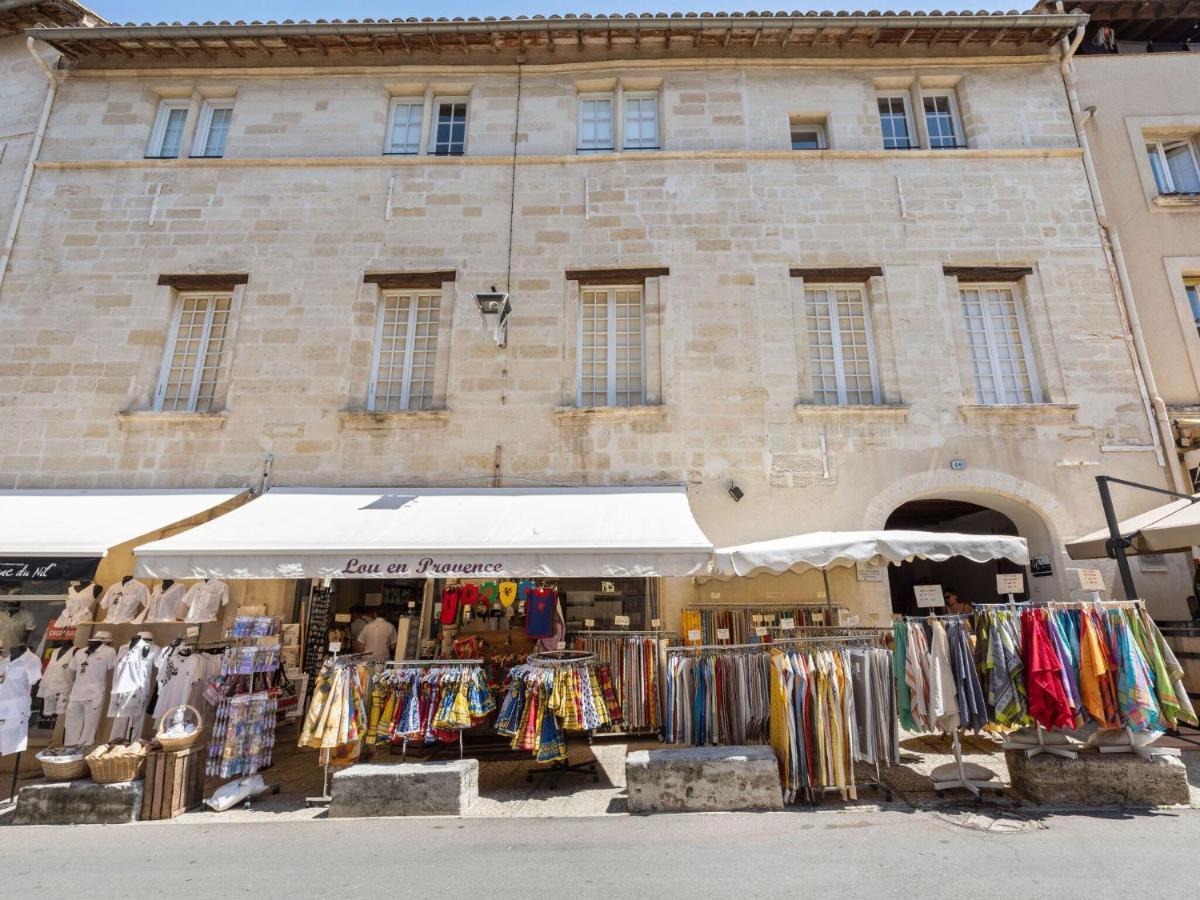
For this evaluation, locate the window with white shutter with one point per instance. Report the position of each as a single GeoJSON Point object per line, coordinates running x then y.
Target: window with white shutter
{"type": "Point", "coordinates": [999, 345]}
{"type": "Point", "coordinates": [406, 334]}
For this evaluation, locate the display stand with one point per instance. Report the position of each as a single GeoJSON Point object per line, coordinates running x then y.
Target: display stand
{"type": "Point", "coordinates": [954, 775]}
{"type": "Point", "coordinates": [1016, 742]}
{"type": "Point", "coordinates": [555, 770]}
{"type": "Point", "coordinates": [1147, 752]}
{"type": "Point", "coordinates": [654, 634]}
{"type": "Point", "coordinates": [414, 663]}
{"type": "Point", "coordinates": [326, 798]}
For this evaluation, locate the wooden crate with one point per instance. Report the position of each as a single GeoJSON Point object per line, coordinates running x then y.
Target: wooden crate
{"type": "Point", "coordinates": [174, 782]}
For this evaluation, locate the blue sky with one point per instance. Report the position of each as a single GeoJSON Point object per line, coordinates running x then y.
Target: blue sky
{"type": "Point", "coordinates": [216, 10]}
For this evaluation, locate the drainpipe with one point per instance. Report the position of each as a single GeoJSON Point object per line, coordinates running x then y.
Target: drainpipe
{"type": "Point", "coordinates": [1152, 402]}
{"type": "Point", "coordinates": [34, 150]}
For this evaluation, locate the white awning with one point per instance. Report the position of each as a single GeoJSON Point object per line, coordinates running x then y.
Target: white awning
{"type": "Point", "coordinates": [608, 532]}
{"type": "Point", "coordinates": [831, 549]}
{"type": "Point", "coordinates": [1171, 528]}
{"type": "Point", "coordinates": [78, 527]}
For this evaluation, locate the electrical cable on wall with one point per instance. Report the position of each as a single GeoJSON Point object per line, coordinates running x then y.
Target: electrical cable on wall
{"type": "Point", "coordinates": [512, 197]}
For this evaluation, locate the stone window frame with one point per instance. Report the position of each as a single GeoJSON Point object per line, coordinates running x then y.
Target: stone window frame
{"type": "Point", "coordinates": [1033, 321]}
{"type": "Point", "coordinates": [1143, 130]}
{"type": "Point", "coordinates": [869, 280]}
{"type": "Point", "coordinates": [654, 284]}
{"type": "Point", "coordinates": [375, 286]}
{"type": "Point", "coordinates": [158, 131]}
{"type": "Point", "coordinates": [194, 285]}
{"type": "Point", "coordinates": [204, 126]}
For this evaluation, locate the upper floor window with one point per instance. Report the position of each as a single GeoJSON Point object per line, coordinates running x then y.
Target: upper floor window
{"type": "Point", "coordinates": [166, 137]}
{"type": "Point", "coordinates": [404, 127]}
{"type": "Point", "coordinates": [596, 122]}
{"type": "Point", "coordinates": [941, 121]}
{"type": "Point", "coordinates": [841, 355]}
{"type": "Point", "coordinates": [195, 346]}
{"type": "Point", "coordinates": [611, 351]}
{"type": "Point", "coordinates": [406, 333]}
{"type": "Point", "coordinates": [449, 137]}
{"type": "Point", "coordinates": [212, 131]}
{"type": "Point", "coordinates": [1175, 165]}
{"type": "Point", "coordinates": [999, 345]}
{"type": "Point", "coordinates": [894, 120]}
{"type": "Point", "coordinates": [641, 121]}
{"type": "Point", "coordinates": [808, 136]}
{"type": "Point", "coordinates": [1191, 287]}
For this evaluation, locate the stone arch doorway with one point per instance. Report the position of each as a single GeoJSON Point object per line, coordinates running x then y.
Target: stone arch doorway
{"type": "Point", "coordinates": [971, 580]}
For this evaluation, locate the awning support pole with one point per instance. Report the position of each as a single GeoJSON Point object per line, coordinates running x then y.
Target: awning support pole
{"type": "Point", "coordinates": [1117, 543]}
{"type": "Point", "coordinates": [828, 597]}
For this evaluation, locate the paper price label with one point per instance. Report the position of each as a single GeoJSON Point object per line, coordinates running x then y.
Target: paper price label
{"type": "Point", "coordinates": [756, 618]}
{"type": "Point", "coordinates": [335, 646]}
{"type": "Point", "coordinates": [929, 595]}
{"type": "Point", "coordinates": [621, 621]}
{"type": "Point", "coordinates": [562, 645]}
{"type": "Point", "coordinates": [694, 635]}
{"type": "Point", "coordinates": [769, 617]}
{"type": "Point", "coordinates": [341, 618]}
{"type": "Point", "coordinates": [714, 595]}
{"type": "Point", "coordinates": [1091, 579]}
{"type": "Point", "coordinates": [192, 632]}
{"type": "Point", "coordinates": [762, 632]}
{"type": "Point", "coordinates": [788, 624]}
{"type": "Point", "coordinates": [589, 623]}
{"type": "Point", "coordinates": [656, 623]}
{"type": "Point", "coordinates": [1010, 584]}
{"type": "Point", "coordinates": [722, 634]}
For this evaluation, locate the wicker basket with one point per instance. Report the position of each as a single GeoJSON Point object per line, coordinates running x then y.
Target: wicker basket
{"type": "Point", "coordinates": [62, 771]}
{"type": "Point", "coordinates": [180, 743]}
{"type": "Point", "coordinates": [117, 769]}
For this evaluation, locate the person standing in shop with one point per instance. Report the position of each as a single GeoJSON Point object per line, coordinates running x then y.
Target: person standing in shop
{"type": "Point", "coordinates": [377, 638]}
{"type": "Point", "coordinates": [358, 621]}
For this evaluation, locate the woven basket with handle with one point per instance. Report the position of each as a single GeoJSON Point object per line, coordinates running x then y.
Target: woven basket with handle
{"type": "Point", "coordinates": [172, 744]}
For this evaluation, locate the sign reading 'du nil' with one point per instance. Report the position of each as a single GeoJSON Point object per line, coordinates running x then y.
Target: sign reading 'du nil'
{"type": "Point", "coordinates": [426, 565]}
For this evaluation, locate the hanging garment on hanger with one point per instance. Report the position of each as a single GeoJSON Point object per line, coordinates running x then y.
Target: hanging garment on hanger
{"type": "Point", "coordinates": [1048, 702]}
{"type": "Point", "coordinates": [998, 646]}
{"type": "Point", "coordinates": [540, 612]}
{"type": "Point", "coordinates": [165, 606]}
{"type": "Point", "coordinates": [123, 602]}
{"type": "Point", "coordinates": [17, 678]}
{"type": "Point", "coordinates": [57, 678]}
{"type": "Point", "coordinates": [204, 600]}
{"type": "Point", "coordinates": [1097, 673]}
{"type": "Point", "coordinates": [78, 609]}
{"type": "Point", "coordinates": [133, 678]}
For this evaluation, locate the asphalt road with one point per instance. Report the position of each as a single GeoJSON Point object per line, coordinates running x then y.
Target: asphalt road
{"type": "Point", "coordinates": [875, 854]}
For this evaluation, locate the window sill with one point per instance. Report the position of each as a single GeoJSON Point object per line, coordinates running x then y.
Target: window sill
{"type": "Point", "coordinates": [880, 413]}
{"type": "Point", "coordinates": [1178, 201]}
{"type": "Point", "coordinates": [144, 418]}
{"type": "Point", "coordinates": [1020, 413]}
{"type": "Point", "coordinates": [366, 420]}
{"type": "Point", "coordinates": [594, 413]}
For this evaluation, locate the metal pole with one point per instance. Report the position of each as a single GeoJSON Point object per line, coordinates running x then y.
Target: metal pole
{"type": "Point", "coordinates": [828, 597]}
{"type": "Point", "coordinates": [1116, 543]}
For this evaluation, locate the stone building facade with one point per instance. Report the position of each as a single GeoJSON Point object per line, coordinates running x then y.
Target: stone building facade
{"type": "Point", "coordinates": [724, 243]}
{"type": "Point", "coordinates": [1133, 79]}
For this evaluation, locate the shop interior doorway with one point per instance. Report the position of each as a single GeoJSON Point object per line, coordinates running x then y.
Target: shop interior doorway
{"type": "Point", "coordinates": [974, 582]}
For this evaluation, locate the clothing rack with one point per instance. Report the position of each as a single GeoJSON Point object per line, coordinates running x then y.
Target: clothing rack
{"type": "Point", "coordinates": [767, 645]}
{"type": "Point", "coordinates": [553, 659]}
{"type": "Point", "coordinates": [413, 663]}
{"type": "Point", "coordinates": [561, 658]}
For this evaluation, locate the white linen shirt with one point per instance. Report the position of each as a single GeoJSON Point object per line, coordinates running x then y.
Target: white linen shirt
{"type": "Point", "coordinates": [122, 601]}
{"type": "Point", "coordinates": [204, 599]}
{"type": "Point", "coordinates": [17, 678]}
{"type": "Point", "coordinates": [165, 606]}
{"type": "Point", "coordinates": [15, 627]}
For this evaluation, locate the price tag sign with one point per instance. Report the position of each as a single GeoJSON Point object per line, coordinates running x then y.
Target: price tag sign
{"type": "Point", "coordinates": [818, 617]}
{"type": "Point", "coordinates": [335, 646]}
{"type": "Point", "coordinates": [192, 632]}
{"type": "Point", "coordinates": [656, 623]}
{"type": "Point", "coordinates": [1091, 579]}
{"type": "Point", "coordinates": [562, 645]}
{"type": "Point", "coordinates": [1010, 584]}
{"type": "Point", "coordinates": [722, 634]}
{"type": "Point", "coordinates": [756, 618]}
{"type": "Point", "coordinates": [787, 624]}
{"type": "Point", "coordinates": [769, 618]}
{"type": "Point", "coordinates": [621, 621]}
{"type": "Point", "coordinates": [326, 582]}
{"type": "Point", "coordinates": [694, 635]}
{"type": "Point", "coordinates": [714, 595]}
{"type": "Point", "coordinates": [762, 632]}
{"type": "Point", "coordinates": [929, 595]}
{"type": "Point", "coordinates": [869, 573]}
{"type": "Point", "coordinates": [589, 623]}
{"type": "Point", "coordinates": [341, 618]}
{"type": "Point", "coordinates": [607, 587]}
